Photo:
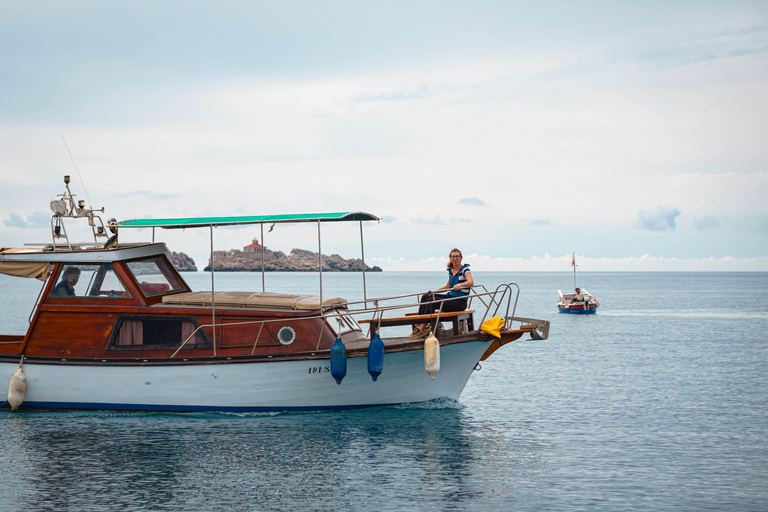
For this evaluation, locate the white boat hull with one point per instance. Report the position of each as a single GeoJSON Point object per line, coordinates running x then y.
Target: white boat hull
{"type": "Point", "coordinates": [249, 386]}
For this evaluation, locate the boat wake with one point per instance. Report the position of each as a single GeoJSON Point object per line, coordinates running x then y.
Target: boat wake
{"type": "Point", "coordinates": [438, 403]}
{"type": "Point", "coordinates": [690, 313]}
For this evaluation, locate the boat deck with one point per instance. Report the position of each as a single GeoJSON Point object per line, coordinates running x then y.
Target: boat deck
{"type": "Point", "coordinates": [252, 300]}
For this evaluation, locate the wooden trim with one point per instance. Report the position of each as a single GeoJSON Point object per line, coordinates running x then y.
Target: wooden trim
{"type": "Point", "coordinates": [130, 283]}
{"type": "Point", "coordinates": [417, 317]}
{"type": "Point", "coordinates": [413, 318]}
{"type": "Point", "coordinates": [506, 337]}
{"type": "Point", "coordinates": [40, 304]}
{"type": "Point", "coordinates": [403, 345]}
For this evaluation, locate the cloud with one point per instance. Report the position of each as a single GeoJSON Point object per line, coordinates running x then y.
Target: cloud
{"type": "Point", "coordinates": [436, 220]}
{"type": "Point", "coordinates": [396, 95]}
{"type": "Point", "coordinates": [540, 222]}
{"type": "Point", "coordinates": [722, 45]}
{"type": "Point", "coordinates": [36, 220]}
{"type": "Point", "coordinates": [388, 219]}
{"type": "Point", "coordinates": [15, 222]}
{"type": "Point", "coordinates": [146, 194]}
{"type": "Point", "coordinates": [706, 224]}
{"type": "Point", "coordinates": [661, 219]}
{"type": "Point", "coordinates": [473, 201]}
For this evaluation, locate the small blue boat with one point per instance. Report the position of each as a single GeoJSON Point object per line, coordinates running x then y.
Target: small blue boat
{"type": "Point", "coordinates": [581, 302]}
{"type": "Point", "coordinates": [578, 304]}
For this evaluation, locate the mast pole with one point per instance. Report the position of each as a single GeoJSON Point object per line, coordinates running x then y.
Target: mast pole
{"type": "Point", "coordinates": [320, 257]}
{"type": "Point", "coordinates": [574, 271]}
{"type": "Point", "coordinates": [263, 286]}
{"type": "Point", "coordinates": [213, 299]}
{"type": "Point", "coordinates": [362, 251]}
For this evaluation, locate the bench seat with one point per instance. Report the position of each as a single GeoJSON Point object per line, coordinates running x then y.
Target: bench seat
{"type": "Point", "coordinates": [414, 318]}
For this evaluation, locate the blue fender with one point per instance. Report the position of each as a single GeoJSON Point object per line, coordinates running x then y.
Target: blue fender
{"type": "Point", "coordinates": [338, 360]}
{"type": "Point", "coordinates": [375, 357]}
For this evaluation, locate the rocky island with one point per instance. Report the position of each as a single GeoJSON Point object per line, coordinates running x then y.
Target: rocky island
{"type": "Point", "coordinates": [299, 260]}
{"type": "Point", "coordinates": [249, 260]}
{"type": "Point", "coordinates": [182, 262]}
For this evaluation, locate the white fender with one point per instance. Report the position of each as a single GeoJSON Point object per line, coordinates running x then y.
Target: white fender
{"type": "Point", "coordinates": [431, 355]}
{"type": "Point", "coordinates": [17, 389]}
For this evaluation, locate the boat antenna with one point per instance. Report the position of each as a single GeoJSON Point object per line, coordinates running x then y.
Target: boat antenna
{"type": "Point", "coordinates": [573, 263]}
{"type": "Point", "coordinates": [90, 205]}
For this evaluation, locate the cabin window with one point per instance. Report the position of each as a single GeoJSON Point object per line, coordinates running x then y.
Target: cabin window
{"type": "Point", "coordinates": [135, 332]}
{"type": "Point", "coordinates": [89, 281]}
{"type": "Point", "coordinates": [286, 335]}
{"type": "Point", "coordinates": [155, 276]}
{"type": "Point", "coordinates": [347, 324]}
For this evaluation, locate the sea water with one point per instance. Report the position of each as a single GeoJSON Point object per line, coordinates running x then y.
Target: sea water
{"type": "Point", "coordinates": [657, 402]}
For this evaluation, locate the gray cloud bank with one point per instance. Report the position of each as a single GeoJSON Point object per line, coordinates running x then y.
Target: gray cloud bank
{"type": "Point", "coordinates": [706, 224]}
{"type": "Point", "coordinates": [34, 221]}
{"type": "Point", "coordinates": [146, 194]}
{"type": "Point", "coordinates": [662, 218]}
{"type": "Point", "coordinates": [472, 201]}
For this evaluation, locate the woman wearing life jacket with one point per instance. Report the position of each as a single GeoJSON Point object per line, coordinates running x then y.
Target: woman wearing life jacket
{"type": "Point", "coordinates": [459, 283]}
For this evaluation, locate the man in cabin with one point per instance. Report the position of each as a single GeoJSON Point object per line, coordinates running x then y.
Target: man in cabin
{"type": "Point", "coordinates": [66, 287]}
{"type": "Point", "coordinates": [579, 296]}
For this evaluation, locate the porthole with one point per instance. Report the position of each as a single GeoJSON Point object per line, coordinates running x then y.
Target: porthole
{"type": "Point", "coordinates": [286, 335]}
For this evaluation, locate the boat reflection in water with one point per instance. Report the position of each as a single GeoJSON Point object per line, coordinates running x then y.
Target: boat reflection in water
{"type": "Point", "coordinates": [251, 461]}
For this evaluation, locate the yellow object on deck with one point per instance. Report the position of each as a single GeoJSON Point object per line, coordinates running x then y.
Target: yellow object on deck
{"type": "Point", "coordinates": [493, 326]}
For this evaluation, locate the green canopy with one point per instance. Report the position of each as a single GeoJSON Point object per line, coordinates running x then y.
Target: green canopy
{"type": "Point", "coordinates": [197, 222]}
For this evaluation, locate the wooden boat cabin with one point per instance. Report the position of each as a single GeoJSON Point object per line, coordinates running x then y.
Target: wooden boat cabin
{"type": "Point", "coordinates": [132, 303]}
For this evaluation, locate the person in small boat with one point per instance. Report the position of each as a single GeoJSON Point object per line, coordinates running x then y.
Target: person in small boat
{"type": "Point", "coordinates": [459, 283]}
{"type": "Point", "coordinates": [66, 287]}
{"type": "Point", "coordinates": [580, 296]}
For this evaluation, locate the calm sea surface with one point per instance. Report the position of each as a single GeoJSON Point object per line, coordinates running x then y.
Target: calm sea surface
{"type": "Point", "coordinates": [658, 402]}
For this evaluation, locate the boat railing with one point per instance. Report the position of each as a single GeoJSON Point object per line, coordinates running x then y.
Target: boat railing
{"type": "Point", "coordinates": [65, 207]}
{"type": "Point", "coordinates": [81, 246]}
{"type": "Point", "coordinates": [494, 299]}
{"type": "Point", "coordinates": [491, 299]}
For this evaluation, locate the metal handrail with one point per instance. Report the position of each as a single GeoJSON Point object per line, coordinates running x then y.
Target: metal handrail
{"type": "Point", "coordinates": [506, 287]}
{"type": "Point", "coordinates": [377, 309]}
{"type": "Point", "coordinates": [417, 296]}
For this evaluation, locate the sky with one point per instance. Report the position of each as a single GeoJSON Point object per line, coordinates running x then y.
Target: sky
{"type": "Point", "coordinates": [632, 134]}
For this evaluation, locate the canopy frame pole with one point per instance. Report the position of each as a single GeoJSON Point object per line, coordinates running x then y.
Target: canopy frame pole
{"type": "Point", "coordinates": [362, 251]}
{"type": "Point", "coordinates": [320, 258]}
{"type": "Point", "coordinates": [263, 285]}
{"type": "Point", "coordinates": [153, 235]}
{"type": "Point", "coordinates": [213, 297]}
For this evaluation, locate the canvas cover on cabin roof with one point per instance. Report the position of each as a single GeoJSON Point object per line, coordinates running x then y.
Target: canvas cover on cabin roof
{"type": "Point", "coordinates": [27, 269]}
{"type": "Point", "coordinates": [197, 222]}
{"type": "Point", "coordinates": [253, 300]}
